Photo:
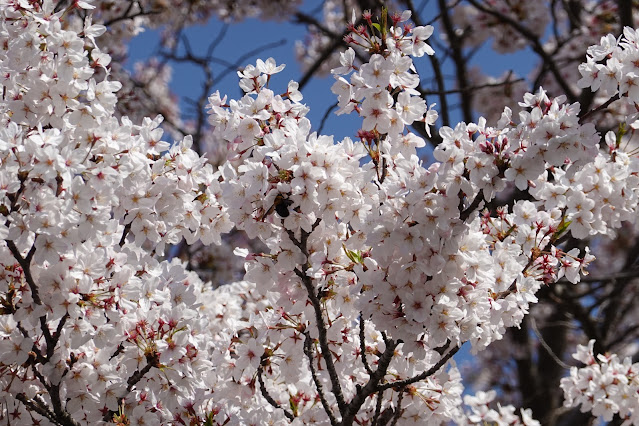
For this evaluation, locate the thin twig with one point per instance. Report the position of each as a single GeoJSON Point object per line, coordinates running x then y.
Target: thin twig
{"type": "Point", "coordinates": [268, 396]}
{"type": "Point", "coordinates": [506, 81]}
{"type": "Point", "coordinates": [398, 412]}
{"type": "Point", "coordinates": [599, 108]}
{"type": "Point", "coordinates": [362, 345]}
{"type": "Point", "coordinates": [38, 407]}
{"type": "Point", "coordinates": [126, 15]}
{"type": "Point", "coordinates": [536, 46]}
{"type": "Point", "coordinates": [378, 407]}
{"type": "Point", "coordinates": [336, 387]}
{"type": "Point", "coordinates": [543, 342]}
{"type": "Point", "coordinates": [25, 264]}
{"type": "Point", "coordinates": [325, 117]}
{"type": "Point", "coordinates": [626, 336]}
{"type": "Point", "coordinates": [422, 376]}
{"type": "Point", "coordinates": [601, 278]}
{"type": "Point", "coordinates": [153, 360]}
{"type": "Point", "coordinates": [338, 40]}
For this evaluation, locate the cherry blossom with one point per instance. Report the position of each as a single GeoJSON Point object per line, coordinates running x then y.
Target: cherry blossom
{"type": "Point", "coordinates": [605, 386]}
{"type": "Point", "coordinates": [373, 269]}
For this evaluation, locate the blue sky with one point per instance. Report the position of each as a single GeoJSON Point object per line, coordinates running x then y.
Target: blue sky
{"type": "Point", "coordinates": [239, 40]}
{"type": "Point", "coordinates": [253, 34]}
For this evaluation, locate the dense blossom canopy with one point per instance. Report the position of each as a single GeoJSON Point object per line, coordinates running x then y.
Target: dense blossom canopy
{"type": "Point", "coordinates": [375, 268]}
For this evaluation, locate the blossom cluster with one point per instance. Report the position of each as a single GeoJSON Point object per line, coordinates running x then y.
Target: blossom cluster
{"type": "Point", "coordinates": [93, 326]}
{"type": "Point", "coordinates": [272, 346]}
{"type": "Point", "coordinates": [605, 386]}
{"type": "Point", "coordinates": [515, 25]}
{"type": "Point", "coordinates": [618, 77]}
{"type": "Point", "coordinates": [146, 91]}
{"type": "Point", "coordinates": [481, 413]}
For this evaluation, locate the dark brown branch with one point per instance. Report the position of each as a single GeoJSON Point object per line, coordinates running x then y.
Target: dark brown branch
{"type": "Point", "coordinates": [625, 13]}
{"type": "Point", "coordinates": [442, 349]}
{"type": "Point", "coordinates": [373, 384]}
{"type": "Point", "coordinates": [117, 352]}
{"type": "Point", "coordinates": [574, 10]}
{"type": "Point", "coordinates": [62, 416]}
{"type": "Point", "coordinates": [56, 335]}
{"type": "Point", "coordinates": [38, 407]}
{"type": "Point", "coordinates": [125, 232]}
{"type": "Point", "coordinates": [555, 22]}
{"type": "Point", "coordinates": [605, 105]}
{"type": "Point", "coordinates": [267, 396]}
{"type": "Point", "coordinates": [602, 278]}
{"type": "Point", "coordinates": [59, 5]}
{"type": "Point", "coordinates": [137, 376]}
{"type": "Point", "coordinates": [233, 67]}
{"type": "Point", "coordinates": [456, 48]}
{"type": "Point", "coordinates": [153, 360]}
{"type": "Point", "coordinates": [325, 117]}
{"type": "Point", "coordinates": [25, 264]}
{"type": "Point", "coordinates": [125, 16]}
{"type": "Point", "coordinates": [318, 384]}
{"type": "Point", "coordinates": [435, 65]}
{"type": "Point", "coordinates": [439, 79]}
{"type": "Point", "coordinates": [551, 353]}
{"type": "Point", "coordinates": [577, 311]}
{"type": "Point", "coordinates": [378, 408]}
{"type": "Point", "coordinates": [424, 375]}
{"type": "Point", "coordinates": [338, 40]}
{"type": "Point", "coordinates": [336, 387]}
{"type": "Point", "coordinates": [535, 44]}
{"type": "Point", "coordinates": [629, 334]}
{"type": "Point", "coordinates": [473, 206]}
{"type": "Point", "coordinates": [398, 411]}
{"type": "Point", "coordinates": [362, 345]}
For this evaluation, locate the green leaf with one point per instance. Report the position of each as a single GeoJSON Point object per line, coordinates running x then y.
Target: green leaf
{"type": "Point", "coordinates": [354, 255]}
{"type": "Point", "coordinates": [293, 405]}
{"type": "Point", "coordinates": [209, 419]}
{"type": "Point", "coordinates": [621, 133]}
{"type": "Point", "coordinates": [563, 226]}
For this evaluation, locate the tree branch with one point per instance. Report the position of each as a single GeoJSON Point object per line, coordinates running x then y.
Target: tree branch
{"type": "Point", "coordinates": [378, 408]}
{"type": "Point", "coordinates": [372, 385]}
{"type": "Point", "coordinates": [318, 384]}
{"type": "Point", "coordinates": [425, 374]}
{"type": "Point", "coordinates": [398, 410]}
{"type": "Point", "coordinates": [583, 116]}
{"type": "Point", "coordinates": [336, 387]}
{"type": "Point", "coordinates": [362, 345]}
{"type": "Point", "coordinates": [473, 206]}
{"type": "Point", "coordinates": [458, 58]}
{"type": "Point", "coordinates": [536, 46]}
{"type": "Point", "coordinates": [265, 393]}
{"type": "Point", "coordinates": [25, 264]}
{"type": "Point", "coordinates": [38, 407]}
